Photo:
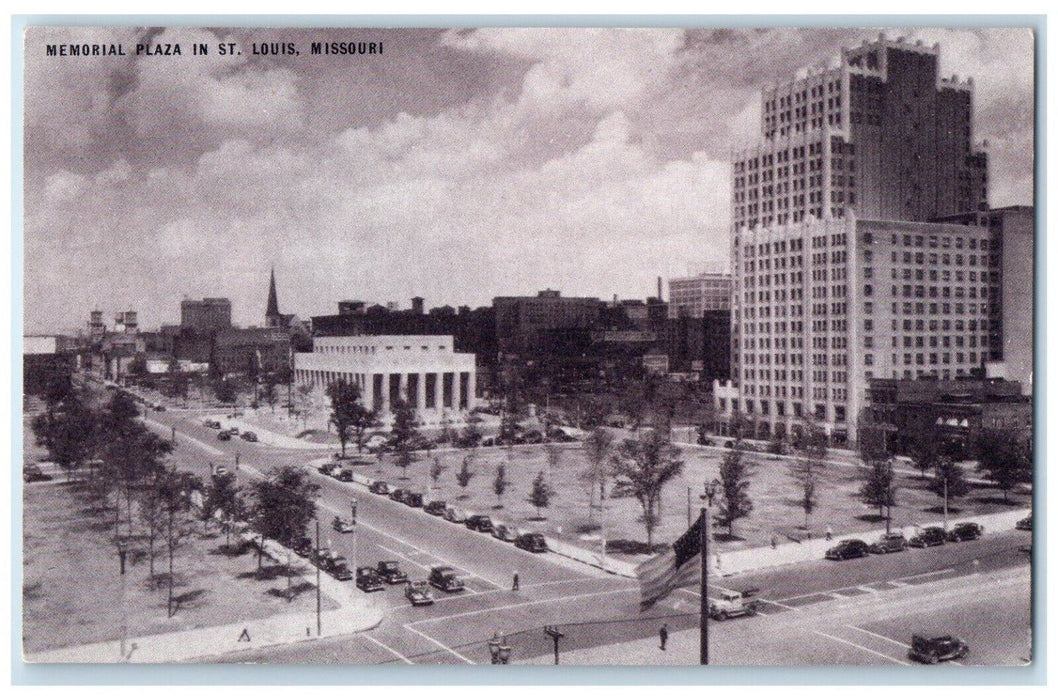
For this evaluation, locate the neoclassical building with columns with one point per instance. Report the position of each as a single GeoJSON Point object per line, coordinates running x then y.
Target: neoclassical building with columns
{"type": "Point", "coordinates": [423, 369]}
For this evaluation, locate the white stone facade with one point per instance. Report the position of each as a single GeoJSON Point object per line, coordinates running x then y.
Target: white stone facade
{"type": "Point", "coordinates": [424, 370]}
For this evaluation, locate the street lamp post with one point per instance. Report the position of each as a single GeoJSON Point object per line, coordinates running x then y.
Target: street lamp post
{"type": "Point", "coordinates": [319, 616]}
{"type": "Point", "coordinates": [494, 648]}
{"type": "Point", "coordinates": [123, 549]}
{"type": "Point", "coordinates": [352, 508]}
{"type": "Point", "coordinates": [555, 635]}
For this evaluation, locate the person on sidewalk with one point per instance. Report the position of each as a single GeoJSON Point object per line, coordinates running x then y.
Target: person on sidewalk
{"type": "Point", "coordinates": [514, 582]}
{"type": "Point", "coordinates": [829, 533]}
{"type": "Point", "coordinates": [663, 635]}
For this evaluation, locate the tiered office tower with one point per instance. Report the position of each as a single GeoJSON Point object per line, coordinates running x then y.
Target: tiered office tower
{"type": "Point", "coordinates": [838, 276]}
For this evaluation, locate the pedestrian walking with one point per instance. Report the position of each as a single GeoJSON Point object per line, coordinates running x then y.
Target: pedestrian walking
{"type": "Point", "coordinates": [514, 582]}
{"type": "Point", "coordinates": [829, 533]}
{"type": "Point", "coordinates": [663, 635]}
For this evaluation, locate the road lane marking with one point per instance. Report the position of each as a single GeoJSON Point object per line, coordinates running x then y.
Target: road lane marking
{"type": "Point", "coordinates": [879, 636]}
{"type": "Point", "coordinates": [775, 602]}
{"type": "Point", "coordinates": [400, 656]}
{"type": "Point", "coordinates": [928, 573]}
{"type": "Point", "coordinates": [862, 648]}
{"type": "Point", "coordinates": [899, 584]}
{"type": "Point", "coordinates": [560, 599]}
{"type": "Point", "coordinates": [434, 641]}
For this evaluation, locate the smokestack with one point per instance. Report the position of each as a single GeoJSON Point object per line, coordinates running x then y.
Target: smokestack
{"type": "Point", "coordinates": [659, 288]}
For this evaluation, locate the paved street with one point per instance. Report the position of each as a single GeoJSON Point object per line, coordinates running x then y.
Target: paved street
{"type": "Point", "coordinates": [861, 610]}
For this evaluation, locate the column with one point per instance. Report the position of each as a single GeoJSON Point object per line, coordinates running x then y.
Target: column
{"type": "Point", "coordinates": [385, 393]}
{"type": "Point", "coordinates": [420, 392]}
{"type": "Point", "coordinates": [402, 385]}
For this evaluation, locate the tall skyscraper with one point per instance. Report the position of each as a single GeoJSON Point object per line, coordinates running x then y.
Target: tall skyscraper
{"type": "Point", "coordinates": [839, 275]}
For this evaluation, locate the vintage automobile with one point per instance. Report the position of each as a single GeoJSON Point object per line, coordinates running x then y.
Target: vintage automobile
{"type": "Point", "coordinates": [302, 546]}
{"type": "Point", "coordinates": [210, 423]}
{"type": "Point", "coordinates": [397, 495]}
{"type": "Point", "coordinates": [531, 542]}
{"type": "Point", "coordinates": [379, 487]}
{"type": "Point", "coordinates": [338, 566]}
{"type": "Point", "coordinates": [224, 435]}
{"type": "Point", "coordinates": [418, 593]}
{"type": "Point", "coordinates": [342, 524]}
{"type": "Point", "coordinates": [329, 469]}
{"type": "Point", "coordinates": [733, 604]}
{"type": "Point", "coordinates": [249, 436]}
{"type": "Point", "coordinates": [847, 549]}
{"type": "Point", "coordinates": [455, 515]}
{"type": "Point", "coordinates": [436, 508]}
{"type": "Point", "coordinates": [930, 650]}
{"type": "Point", "coordinates": [445, 578]}
{"type": "Point", "coordinates": [362, 459]}
{"type": "Point", "coordinates": [413, 499]}
{"type": "Point", "coordinates": [480, 523]}
{"type": "Point", "coordinates": [965, 531]}
{"type": "Point", "coordinates": [505, 532]}
{"type": "Point", "coordinates": [32, 473]}
{"type": "Point", "coordinates": [1025, 523]}
{"type": "Point", "coordinates": [368, 580]}
{"type": "Point", "coordinates": [390, 572]}
{"type": "Point", "coordinates": [929, 537]}
{"type": "Point", "coordinates": [889, 542]}
{"type": "Point", "coordinates": [345, 475]}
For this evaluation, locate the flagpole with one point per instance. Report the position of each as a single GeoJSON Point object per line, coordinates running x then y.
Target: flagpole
{"type": "Point", "coordinates": [703, 536]}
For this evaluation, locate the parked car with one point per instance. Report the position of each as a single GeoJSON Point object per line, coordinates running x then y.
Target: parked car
{"type": "Point", "coordinates": [368, 580]}
{"type": "Point", "coordinates": [455, 515]}
{"type": "Point", "coordinates": [930, 650]}
{"type": "Point", "coordinates": [533, 437]}
{"type": "Point", "coordinates": [733, 604]}
{"type": "Point", "coordinates": [391, 572]}
{"type": "Point", "coordinates": [224, 435]}
{"type": "Point", "coordinates": [342, 524]}
{"type": "Point", "coordinates": [345, 475]}
{"type": "Point", "coordinates": [445, 578]}
{"type": "Point", "coordinates": [379, 487]}
{"type": "Point", "coordinates": [413, 499]}
{"type": "Point", "coordinates": [436, 508]}
{"type": "Point", "coordinates": [929, 537]}
{"type": "Point", "coordinates": [1025, 523]}
{"type": "Point", "coordinates": [480, 523]}
{"type": "Point", "coordinates": [889, 542]}
{"type": "Point", "coordinates": [965, 531]}
{"type": "Point", "coordinates": [303, 546]}
{"type": "Point", "coordinates": [32, 473]}
{"type": "Point", "coordinates": [502, 531]}
{"type": "Point", "coordinates": [210, 423]}
{"type": "Point", "coordinates": [847, 549]}
{"type": "Point", "coordinates": [338, 567]}
{"type": "Point", "coordinates": [249, 436]}
{"type": "Point", "coordinates": [397, 495]}
{"type": "Point", "coordinates": [531, 542]}
{"type": "Point", "coordinates": [329, 469]}
{"type": "Point", "coordinates": [418, 593]}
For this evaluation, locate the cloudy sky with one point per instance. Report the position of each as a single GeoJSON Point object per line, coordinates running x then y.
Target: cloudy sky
{"type": "Point", "coordinates": [457, 166]}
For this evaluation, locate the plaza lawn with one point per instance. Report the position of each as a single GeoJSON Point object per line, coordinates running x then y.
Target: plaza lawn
{"type": "Point", "coordinates": [72, 590]}
{"type": "Point", "coordinates": [776, 511]}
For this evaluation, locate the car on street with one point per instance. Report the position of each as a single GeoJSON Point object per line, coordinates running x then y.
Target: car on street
{"type": "Point", "coordinates": [391, 572]}
{"type": "Point", "coordinates": [338, 567]}
{"type": "Point", "coordinates": [342, 524]}
{"type": "Point", "coordinates": [733, 604]}
{"type": "Point", "coordinates": [302, 546]}
{"type": "Point", "coordinates": [931, 650]}
{"type": "Point", "coordinates": [847, 549]}
{"type": "Point", "coordinates": [505, 532]}
{"type": "Point", "coordinates": [224, 435]}
{"type": "Point", "coordinates": [379, 487]}
{"type": "Point", "coordinates": [436, 508]}
{"type": "Point", "coordinates": [1025, 523]}
{"type": "Point", "coordinates": [929, 537]}
{"type": "Point", "coordinates": [480, 523]}
{"type": "Point", "coordinates": [889, 542]}
{"type": "Point", "coordinates": [329, 469]}
{"type": "Point", "coordinates": [531, 542]}
{"type": "Point", "coordinates": [455, 515]}
{"type": "Point", "coordinates": [345, 475]}
{"type": "Point", "coordinates": [397, 495]}
{"type": "Point", "coordinates": [32, 473]}
{"type": "Point", "coordinates": [249, 436]}
{"type": "Point", "coordinates": [446, 579]}
{"type": "Point", "coordinates": [413, 499]}
{"type": "Point", "coordinates": [368, 580]}
{"type": "Point", "coordinates": [418, 593]}
{"type": "Point", "coordinates": [961, 532]}
{"type": "Point", "coordinates": [210, 423]}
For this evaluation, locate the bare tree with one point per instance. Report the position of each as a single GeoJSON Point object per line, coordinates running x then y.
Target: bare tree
{"type": "Point", "coordinates": [597, 448]}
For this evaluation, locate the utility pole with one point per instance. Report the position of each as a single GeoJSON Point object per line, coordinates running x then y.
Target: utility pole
{"type": "Point", "coordinates": [319, 620]}
{"type": "Point", "coordinates": [353, 508]}
{"type": "Point", "coordinates": [703, 535]}
{"type": "Point", "coordinates": [688, 507]}
{"type": "Point", "coordinates": [555, 636]}
{"type": "Point", "coordinates": [945, 502]}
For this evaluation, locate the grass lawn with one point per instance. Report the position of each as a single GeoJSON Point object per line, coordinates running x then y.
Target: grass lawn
{"type": "Point", "coordinates": [776, 511]}
{"type": "Point", "coordinates": [72, 592]}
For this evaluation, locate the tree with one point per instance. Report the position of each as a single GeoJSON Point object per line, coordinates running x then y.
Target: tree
{"type": "Point", "coordinates": [269, 391]}
{"type": "Point", "coordinates": [500, 483]}
{"type": "Point", "coordinates": [926, 455]}
{"type": "Point", "coordinates": [436, 470]}
{"type": "Point", "coordinates": [879, 489]}
{"type": "Point", "coordinates": [68, 430]}
{"type": "Point", "coordinates": [540, 495]}
{"type": "Point", "coordinates": [807, 470]}
{"type": "Point", "coordinates": [647, 464]}
{"type": "Point", "coordinates": [735, 502]}
{"type": "Point", "coordinates": [223, 496]}
{"type": "Point", "coordinates": [349, 416]}
{"type": "Point", "coordinates": [465, 474]}
{"type": "Point", "coordinates": [225, 390]}
{"type": "Point", "coordinates": [597, 448]}
{"type": "Point", "coordinates": [948, 482]}
{"type": "Point", "coordinates": [283, 504]}
{"type": "Point", "coordinates": [404, 435]}
{"type": "Point", "coordinates": [471, 435]}
{"type": "Point", "coordinates": [508, 429]}
{"type": "Point", "coordinates": [174, 491]}
{"type": "Point", "coordinates": [1004, 458]}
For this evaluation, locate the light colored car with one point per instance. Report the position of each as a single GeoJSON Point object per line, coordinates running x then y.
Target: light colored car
{"type": "Point", "coordinates": [455, 515]}
{"type": "Point", "coordinates": [505, 532]}
{"type": "Point", "coordinates": [418, 593]}
{"type": "Point", "coordinates": [733, 604]}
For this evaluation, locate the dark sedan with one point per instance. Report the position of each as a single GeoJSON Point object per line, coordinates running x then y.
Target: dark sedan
{"type": "Point", "coordinates": [379, 487]}
{"type": "Point", "coordinates": [481, 523]}
{"type": "Point", "coordinates": [929, 537]}
{"type": "Point", "coordinates": [531, 542]}
{"type": "Point", "coordinates": [368, 580]}
{"type": "Point", "coordinates": [445, 578]}
{"type": "Point", "coordinates": [436, 508]}
{"type": "Point", "coordinates": [391, 572]}
{"type": "Point", "coordinates": [965, 531]}
{"type": "Point", "coordinates": [848, 549]}
{"type": "Point", "coordinates": [890, 542]}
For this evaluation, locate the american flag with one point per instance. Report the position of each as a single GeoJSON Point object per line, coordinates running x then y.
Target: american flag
{"type": "Point", "coordinates": [677, 566]}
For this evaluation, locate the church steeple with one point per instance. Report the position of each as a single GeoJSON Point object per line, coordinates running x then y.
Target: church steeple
{"type": "Point", "coordinates": [272, 313]}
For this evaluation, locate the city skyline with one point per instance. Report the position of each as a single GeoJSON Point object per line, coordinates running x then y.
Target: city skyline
{"type": "Point", "coordinates": [456, 166]}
